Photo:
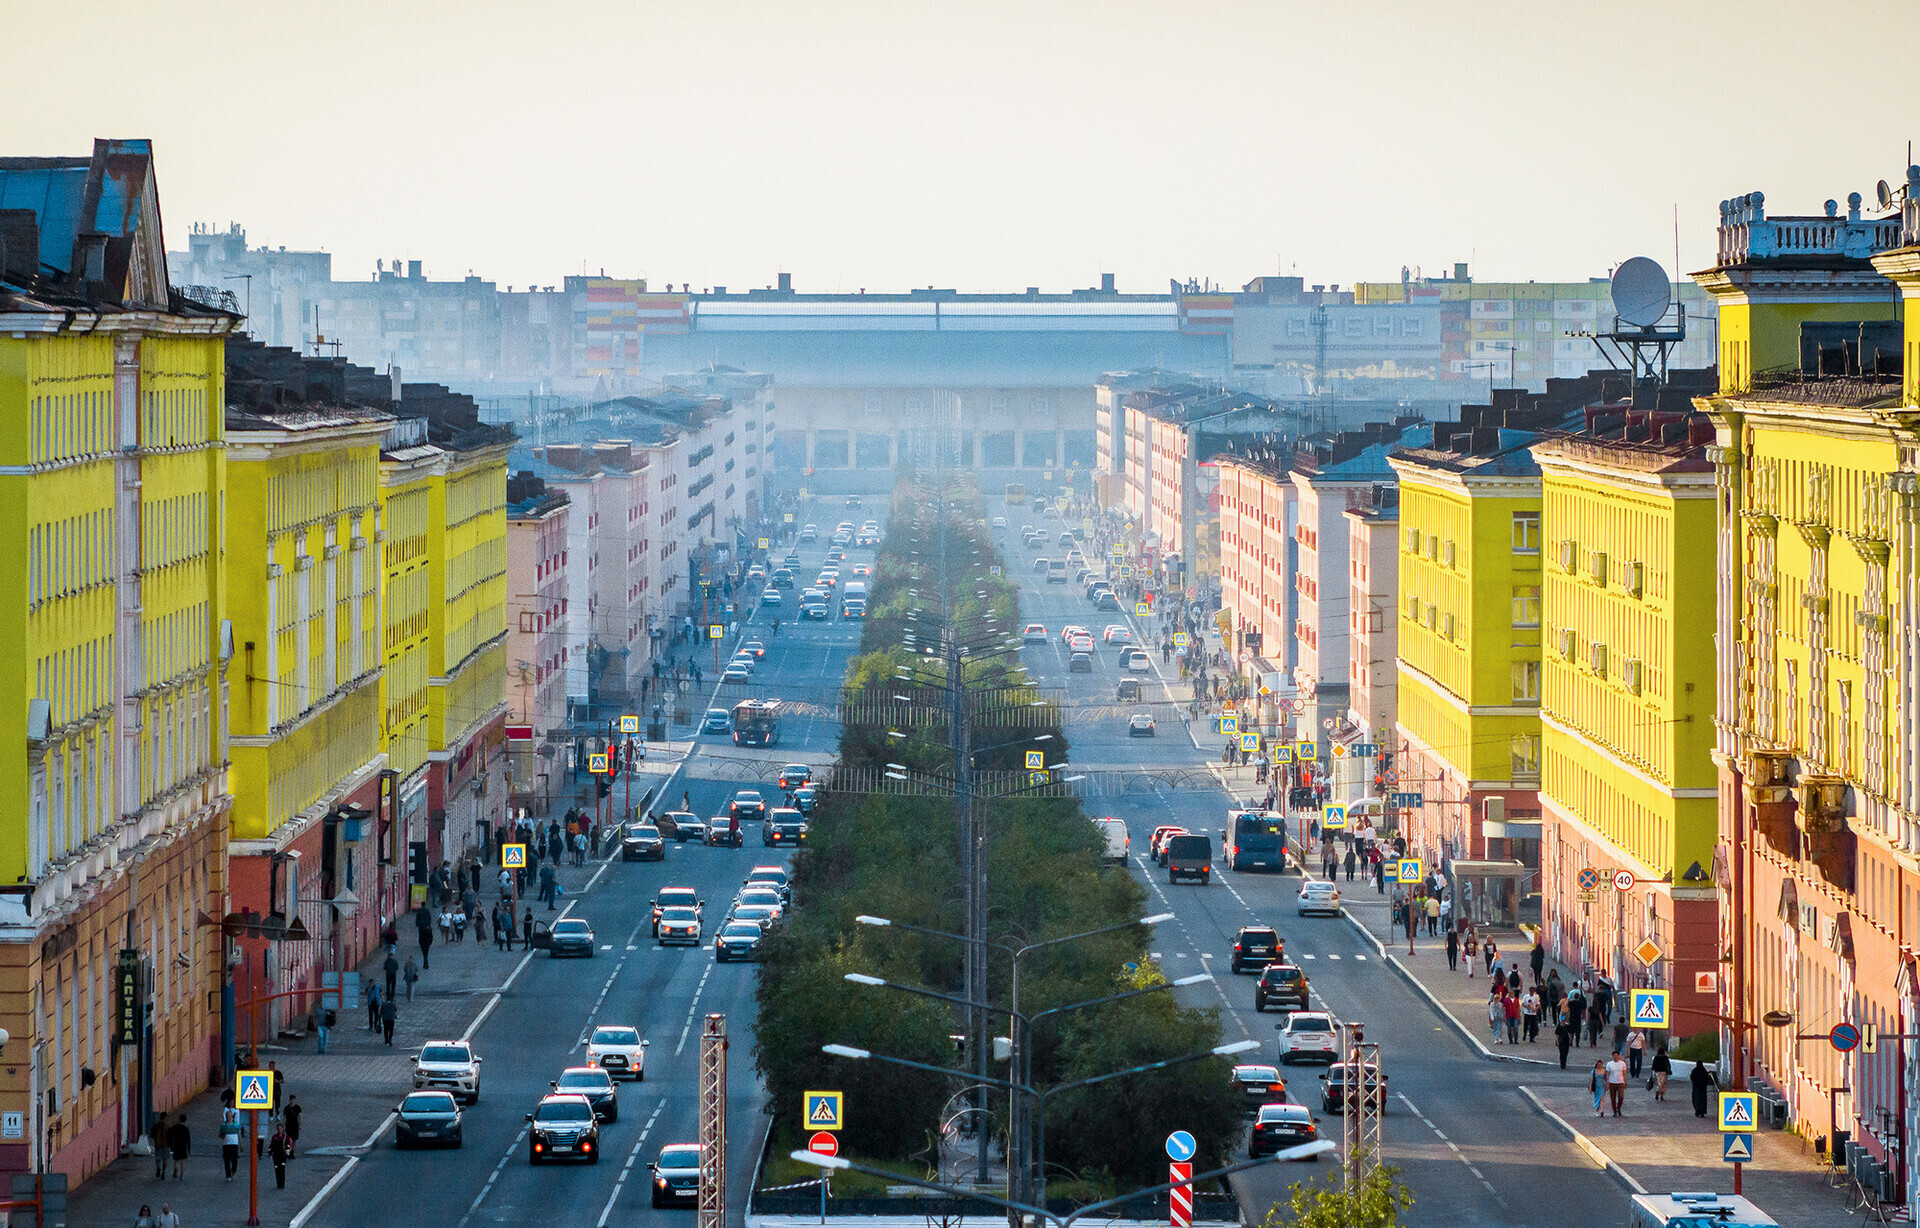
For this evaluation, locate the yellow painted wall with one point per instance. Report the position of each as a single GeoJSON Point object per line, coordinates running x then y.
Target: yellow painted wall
{"type": "Point", "coordinates": [407, 519]}
{"type": "Point", "coordinates": [1765, 336]}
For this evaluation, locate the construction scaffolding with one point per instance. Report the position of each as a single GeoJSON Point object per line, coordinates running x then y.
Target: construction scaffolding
{"type": "Point", "coordinates": [713, 1122]}
{"type": "Point", "coordinates": [1363, 1104]}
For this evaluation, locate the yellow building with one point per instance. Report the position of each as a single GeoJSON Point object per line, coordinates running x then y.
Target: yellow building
{"type": "Point", "coordinates": [112, 470]}
{"type": "Point", "coordinates": [1626, 780]}
{"type": "Point", "coordinates": [1819, 658]}
{"type": "Point", "coordinates": [304, 576]}
{"type": "Point", "coordinates": [410, 468]}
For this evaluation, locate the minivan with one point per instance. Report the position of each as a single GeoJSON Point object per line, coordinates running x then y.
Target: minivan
{"type": "Point", "coordinates": [852, 589]}
{"type": "Point", "coordinates": [1189, 856]}
{"type": "Point", "coordinates": [1114, 831]}
{"type": "Point", "coordinates": [1057, 571]}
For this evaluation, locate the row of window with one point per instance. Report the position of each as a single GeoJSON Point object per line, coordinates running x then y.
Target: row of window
{"type": "Point", "coordinates": [70, 555]}
{"type": "Point", "coordinates": [70, 425]}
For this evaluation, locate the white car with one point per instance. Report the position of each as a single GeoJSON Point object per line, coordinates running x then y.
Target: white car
{"type": "Point", "coordinates": [1117, 634]}
{"type": "Point", "coordinates": [1307, 1036]}
{"type": "Point", "coordinates": [1140, 725]}
{"type": "Point", "coordinates": [1036, 633]}
{"type": "Point", "coordinates": [1319, 897]}
{"type": "Point", "coordinates": [1136, 660]}
{"type": "Point", "coordinates": [735, 672]}
{"type": "Point", "coordinates": [619, 1050]}
{"type": "Point", "coordinates": [448, 1065]}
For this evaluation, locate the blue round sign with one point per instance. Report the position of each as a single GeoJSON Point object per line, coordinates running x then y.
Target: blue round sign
{"type": "Point", "coordinates": [1180, 1146]}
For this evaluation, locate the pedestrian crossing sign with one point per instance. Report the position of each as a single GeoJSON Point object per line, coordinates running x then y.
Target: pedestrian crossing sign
{"type": "Point", "coordinates": [1283, 754]}
{"type": "Point", "coordinates": [253, 1089]}
{"type": "Point", "coordinates": [1736, 1148]}
{"type": "Point", "coordinates": [1304, 751]}
{"type": "Point", "coordinates": [1229, 724]}
{"type": "Point", "coordinates": [1179, 639]}
{"type": "Point", "coordinates": [1333, 817]}
{"type": "Point", "coordinates": [1410, 869]}
{"type": "Point", "coordinates": [823, 1110]}
{"type": "Point", "coordinates": [597, 764]}
{"type": "Point", "coordinates": [629, 724]}
{"type": "Point", "coordinates": [513, 857]}
{"type": "Point", "coordinates": [1250, 743]}
{"type": "Point", "coordinates": [1036, 760]}
{"type": "Point", "coordinates": [1650, 1008]}
{"type": "Point", "coordinates": [1739, 1111]}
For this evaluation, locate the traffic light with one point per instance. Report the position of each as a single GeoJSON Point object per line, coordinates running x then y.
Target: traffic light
{"type": "Point", "coordinates": [602, 786]}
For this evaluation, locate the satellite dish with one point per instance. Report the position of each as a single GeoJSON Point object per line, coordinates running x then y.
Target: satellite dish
{"type": "Point", "coordinates": [1641, 292]}
{"type": "Point", "coordinates": [1883, 194]}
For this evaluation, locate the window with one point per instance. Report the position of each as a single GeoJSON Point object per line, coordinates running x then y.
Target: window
{"type": "Point", "coordinates": [1597, 654]}
{"type": "Point", "coordinates": [1526, 532]}
{"type": "Point", "coordinates": [1526, 605]}
{"type": "Point", "coordinates": [1526, 682]}
{"type": "Point", "coordinates": [1526, 755]}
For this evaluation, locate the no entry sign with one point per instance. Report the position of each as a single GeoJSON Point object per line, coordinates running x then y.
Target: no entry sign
{"type": "Point", "coordinates": [824, 1144]}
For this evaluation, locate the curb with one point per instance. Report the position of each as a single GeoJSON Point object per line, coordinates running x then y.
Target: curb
{"type": "Point", "coordinates": [1593, 1149]}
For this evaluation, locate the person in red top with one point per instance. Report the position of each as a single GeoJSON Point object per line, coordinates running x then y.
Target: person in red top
{"type": "Point", "coordinates": [1513, 1018]}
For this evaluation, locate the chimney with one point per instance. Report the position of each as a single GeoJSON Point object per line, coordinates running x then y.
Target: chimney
{"type": "Point", "coordinates": [719, 289]}
{"type": "Point", "coordinates": [19, 244]}
{"type": "Point", "coordinates": [1106, 282]}
{"type": "Point", "coordinates": [413, 270]}
{"type": "Point", "coordinates": [786, 283]}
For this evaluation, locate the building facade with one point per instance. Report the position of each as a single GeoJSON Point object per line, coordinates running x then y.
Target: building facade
{"type": "Point", "coordinates": [1373, 624]}
{"type": "Point", "coordinates": [537, 563]}
{"type": "Point", "coordinates": [115, 471]}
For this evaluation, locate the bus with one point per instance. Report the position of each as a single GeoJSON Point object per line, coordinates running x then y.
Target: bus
{"type": "Point", "coordinates": [1016, 492]}
{"type": "Point", "coordinates": [1255, 840]}
{"type": "Point", "coordinates": [756, 722]}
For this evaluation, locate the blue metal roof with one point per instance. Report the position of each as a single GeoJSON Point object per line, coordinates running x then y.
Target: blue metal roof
{"type": "Point", "coordinates": [53, 188]}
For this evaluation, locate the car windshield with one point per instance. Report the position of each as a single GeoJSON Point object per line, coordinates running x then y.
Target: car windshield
{"type": "Point", "coordinates": [573, 929]}
{"type": "Point", "coordinates": [742, 929]}
{"type": "Point", "coordinates": [615, 1036]}
{"type": "Point", "coordinates": [678, 915]}
{"type": "Point", "coordinates": [563, 1110]}
{"type": "Point", "coordinates": [427, 1102]}
{"type": "Point", "coordinates": [643, 829]}
{"type": "Point", "coordinates": [582, 1080]}
{"type": "Point", "coordinates": [679, 1157]}
{"type": "Point", "coordinates": [1310, 1023]}
{"type": "Point", "coordinates": [443, 1053]}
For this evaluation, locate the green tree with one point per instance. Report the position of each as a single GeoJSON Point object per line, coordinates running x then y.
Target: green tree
{"type": "Point", "coordinates": [1375, 1203]}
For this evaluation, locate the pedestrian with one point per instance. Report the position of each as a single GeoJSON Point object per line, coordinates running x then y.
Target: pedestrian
{"type": "Point", "coordinates": [291, 1116]}
{"type": "Point", "coordinates": [1491, 950]}
{"type": "Point", "coordinates": [1496, 1013]}
{"type": "Point", "coordinates": [1453, 951]}
{"type": "Point", "coordinates": [1512, 1004]}
{"type": "Point", "coordinates": [1555, 992]}
{"type": "Point", "coordinates": [409, 974]}
{"type": "Point", "coordinates": [423, 922]}
{"type": "Point", "coordinates": [1513, 981]}
{"type": "Point", "coordinates": [1616, 1068]}
{"type": "Point", "coordinates": [446, 924]}
{"type": "Point", "coordinates": [145, 1218]}
{"type": "Point", "coordinates": [502, 927]}
{"type": "Point", "coordinates": [1530, 1014]}
{"type": "Point", "coordinates": [392, 968]}
{"type": "Point", "coordinates": [1621, 1032]}
{"type": "Point", "coordinates": [1538, 958]}
{"type": "Point", "coordinates": [320, 1027]}
{"type": "Point", "coordinates": [1701, 1079]}
{"type": "Point", "coordinates": [1563, 1040]}
{"type": "Point", "coordinates": [1468, 949]}
{"type": "Point", "coordinates": [548, 881]}
{"type": "Point", "coordinates": [1636, 1051]}
{"type": "Point", "coordinates": [1352, 861]}
{"type": "Point", "coordinates": [180, 1144]}
{"type": "Point", "coordinates": [1662, 1068]}
{"type": "Point", "coordinates": [157, 1136]}
{"type": "Point", "coordinates": [229, 1137]}
{"type": "Point", "coordinates": [373, 1007]}
{"type": "Point", "coordinates": [279, 1149]}
{"type": "Point", "coordinates": [279, 1084]}
{"type": "Point", "coordinates": [1433, 915]}
{"type": "Point", "coordinates": [389, 1012]}
{"type": "Point", "coordinates": [526, 930]}
{"type": "Point", "coordinates": [1595, 1021]}
{"type": "Point", "coordinates": [1597, 1084]}
{"type": "Point", "coordinates": [1576, 1010]}
{"type": "Point", "coordinates": [167, 1217]}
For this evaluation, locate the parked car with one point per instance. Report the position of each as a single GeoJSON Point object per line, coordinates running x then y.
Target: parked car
{"type": "Point", "coordinates": [771, 876]}
{"type": "Point", "coordinates": [804, 798]}
{"type": "Point", "coordinates": [1334, 1084]}
{"type": "Point", "coordinates": [563, 1127]}
{"type": "Point", "coordinates": [1281, 985]}
{"type": "Point", "coordinates": [427, 1118]}
{"type": "Point", "coordinates": [1259, 1085]}
{"type": "Point", "coordinates": [620, 1050]}
{"type": "Point", "coordinates": [784, 827]}
{"type": "Point", "coordinates": [723, 831]}
{"type": "Point", "coordinates": [596, 1085]}
{"type": "Point", "coordinates": [1319, 897]}
{"type": "Point", "coordinates": [642, 842]}
{"type": "Point", "coordinates": [1306, 1036]}
{"type": "Point", "coordinates": [1279, 1126]}
{"type": "Point", "coordinates": [449, 1066]}
{"type": "Point", "coordinates": [1255, 946]}
{"type": "Point", "coordinates": [676, 1174]}
{"type": "Point", "coordinates": [683, 826]}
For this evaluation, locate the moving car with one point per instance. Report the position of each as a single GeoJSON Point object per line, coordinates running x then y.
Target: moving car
{"type": "Point", "coordinates": [1319, 897]}
{"type": "Point", "coordinates": [783, 827]}
{"type": "Point", "coordinates": [687, 826]}
{"type": "Point", "coordinates": [814, 609]}
{"type": "Point", "coordinates": [1036, 633]}
{"type": "Point", "coordinates": [762, 915]}
{"type": "Point", "coordinates": [757, 571]}
{"type": "Point", "coordinates": [563, 1127]}
{"type": "Point", "coordinates": [1334, 1084]}
{"type": "Point", "coordinates": [1113, 832]}
{"type": "Point", "coordinates": [717, 720]}
{"type": "Point", "coordinates": [723, 831]}
{"type": "Point", "coordinates": [783, 578]}
{"type": "Point", "coordinates": [619, 1050]}
{"type": "Point", "coordinates": [569, 936]}
{"type": "Point", "coordinates": [1157, 842]}
{"type": "Point", "coordinates": [675, 897]}
{"type": "Point", "coordinates": [1279, 1126]}
{"type": "Point", "coordinates": [1189, 856]}
{"type": "Point", "coordinates": [809, 532]}
{"type": "Point", "coordinates": [449, 1066]}
{"type": "Point", "coordinates": [754, 895]}
{"type": "Point", "coordinates": [1080, 663]}
{"type": "Point", "coordinates": [1116, 633]}
{"type": "Point", "coordinates": [747, 804]}
{"type": "Point", "coordinates": [1106, 601]}
{"type": "Point", "coordinates": [676, 1174]}
{"type": "Point", "coordinates": [1057, 571]}
{"type": "Point", "coordinates": [1255, 946]}
{"type": "Point", "coordinates": [1129, 688]}
{"type": "Point", "coordinates": [1281, 985]}
{"type": "Point", "coordinates": [863, 569]}
{"type": "Point", "coordinates": [999, 522]}
{"type": "Point", "coordinates": [1041, 565]}
{"type": "Point", "coordinates": [427, 1118]}
{"type": "Point", "coordinates": [642, 842]}
{"type": "Point", "coordinates": [1306, 1036]}
{"type": "Point", "coordinates": [596, 1085]}
{"type": "Point", "coordinates": [738, 940]}
{"type": "Point", "coordinates": [1140, 725]}
{"type": "Point", "coordinates": [678, 927]}
{"type": "Point", "coordinates": [771, 597]}
{"type": "Point", "coordinates": [853, 607]}
{"type": "Point", "coordinates": [1259, 1085]}
{"type": "Point", "coordinates": [794, 775]}
{"type": "Point", "coordinates": [1135, 660]}
{"type": "Point", "coordinates": [771, 876]}
{"type": "Point", "coordinates": [735, 672]}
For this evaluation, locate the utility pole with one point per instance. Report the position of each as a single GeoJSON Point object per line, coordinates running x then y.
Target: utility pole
{"type": "Point", "coordinates": [1364, 1103]}
{"type": "Point", "coordinates": [713, 1122]}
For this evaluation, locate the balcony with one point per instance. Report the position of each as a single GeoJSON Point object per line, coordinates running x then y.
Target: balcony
{"type": "Point", "coordinates": [1771, 796]}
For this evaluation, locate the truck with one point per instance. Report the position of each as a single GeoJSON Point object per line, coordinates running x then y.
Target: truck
{"type": "Point", "coordinates": [1697, 1210]}
{"type": "Point", "coordinates": [1255, 840]}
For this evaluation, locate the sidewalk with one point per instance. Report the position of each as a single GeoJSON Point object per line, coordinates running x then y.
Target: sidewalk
{"type": "Point", "coordinates": [346, 1094]}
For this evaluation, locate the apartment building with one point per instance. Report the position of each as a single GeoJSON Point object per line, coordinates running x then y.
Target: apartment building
{"type": "Point", "coordinates": [537, 566]}
{"type": "Point", "coordinates": [1373, 573]}
{"type": "Point", "coordinates": [1259, 557]}
{"type": "Point", "coordinates": [111, 387]}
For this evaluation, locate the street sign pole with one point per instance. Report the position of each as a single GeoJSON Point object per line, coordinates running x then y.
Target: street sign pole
{"type": "Point", "coordinates": [253, 1168]}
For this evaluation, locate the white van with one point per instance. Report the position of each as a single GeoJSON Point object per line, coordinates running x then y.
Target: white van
{"type": "Point", "coordinates": [1118, 841]}
{"type": "Point", "coordinates": [854, 588]}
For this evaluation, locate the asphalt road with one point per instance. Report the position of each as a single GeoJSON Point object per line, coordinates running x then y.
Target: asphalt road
{"type": "Point", "coordinates": [1473, 1150]}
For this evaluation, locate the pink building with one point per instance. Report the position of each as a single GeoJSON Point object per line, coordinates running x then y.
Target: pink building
{"type": "Point", "coordinates": [1257, 599]}
{"type": "Point", "coordinates": [537, 565]}
{"type": "Point", "coordinates": [1372, 585]}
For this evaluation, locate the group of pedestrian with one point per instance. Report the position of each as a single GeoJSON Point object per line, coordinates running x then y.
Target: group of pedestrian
{"type": "Point", "coordinates": [172, 1140]}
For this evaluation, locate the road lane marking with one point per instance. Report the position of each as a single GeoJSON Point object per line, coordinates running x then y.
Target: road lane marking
{"type": "Point", "coordinates": [691, 1008]}
{"type": "Point", "coordinates": [1452, 1146]}
{"type": "Point", "coordinates": [628, 1166]}
{"type": "Point", "coordinates": [495, 1175]}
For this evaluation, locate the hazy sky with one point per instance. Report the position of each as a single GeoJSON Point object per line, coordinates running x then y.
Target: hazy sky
{"type": "Point", "coordinates": [977, 145]}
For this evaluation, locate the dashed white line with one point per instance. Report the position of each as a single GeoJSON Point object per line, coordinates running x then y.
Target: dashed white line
{"type": "Point", "coordinates": [1453, 1147]}
{"type": "Point", "coordinates": [628, 1166]}
{"type": "Point", "coordinates": [494, 1176]}
{"type": "Point", "coordinates": [691, 1008]}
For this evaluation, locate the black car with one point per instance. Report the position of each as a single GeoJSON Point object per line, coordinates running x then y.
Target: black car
{"type": "Point", "coordinates": [1280, 985]}
{"type": "Point", "coordinates": [783, 827]}
{"type": "Point", "coordinates": [563, 1127]}
{"type": "Point", "coordinates": [747, 804]}
{"type": "Point", "coordinates": [676, 1174]}
{"type": "Point", "coordinates": [427, 1118]}
{"type": "Point", "coordinates": [642, 842]}
{"type": "Point", "coordinates": [1280, 1126]}
{"type": "Point", "coordinates": [1259, 1085]}
{"type": "Point", "coordinates": [593, 1083]}
{"type": "Point", "coordinates": [568, 936]}
{"type": "Point", "coordinates": [738, 940]}
{"type": "Point", "coordinates": [1334, 1089]}
{"type": "Point", "coordinates": [1255, 946]}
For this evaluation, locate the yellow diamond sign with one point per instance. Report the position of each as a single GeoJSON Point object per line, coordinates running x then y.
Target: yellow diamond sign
{"type": "Point", "coordinates": [1648, 951]}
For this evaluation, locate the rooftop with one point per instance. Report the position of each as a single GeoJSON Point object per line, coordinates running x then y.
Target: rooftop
{"type": "Point", "coordinates": [1749, 237]}
{"type": "Point", "coordinates": [530, 498]}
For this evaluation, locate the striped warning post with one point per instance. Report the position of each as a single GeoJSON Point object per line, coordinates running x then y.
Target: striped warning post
{"type": "Point", "coordinates": [1180, 1198]}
